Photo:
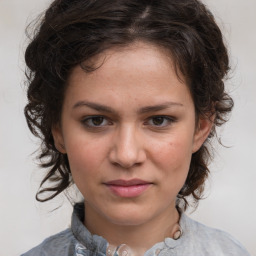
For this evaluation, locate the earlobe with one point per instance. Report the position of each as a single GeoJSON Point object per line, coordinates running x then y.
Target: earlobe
{"type": "Point", "coordinates": [202, 131]}
{"type": "Point", "coordinates": [58, 139]}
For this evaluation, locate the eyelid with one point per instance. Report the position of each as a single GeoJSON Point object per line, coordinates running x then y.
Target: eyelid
{"type": "Point", "coordinates": [170, 120]}
{"type": "Point", "coordinates": [107, 121]}
{"type": "Point", "coordinates": [86, 119]}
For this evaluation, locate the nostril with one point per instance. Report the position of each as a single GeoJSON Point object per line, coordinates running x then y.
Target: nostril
{"type": "Point", "coordinates": [127, 161]}
{"type": "Point", "coordinates": [125, 165]}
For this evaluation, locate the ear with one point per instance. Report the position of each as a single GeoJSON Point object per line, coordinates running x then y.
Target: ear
{"type": "Point", "coordinates": [58, 139]}
{"type": "Point", "coordinates": [203, 129]}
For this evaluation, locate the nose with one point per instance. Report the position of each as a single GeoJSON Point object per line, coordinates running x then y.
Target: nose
{"type": "Point", "coordinates": [127, 149]}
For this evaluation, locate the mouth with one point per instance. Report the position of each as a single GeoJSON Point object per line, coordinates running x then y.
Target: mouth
{"type": "Point", "coordinates": [128, 188]}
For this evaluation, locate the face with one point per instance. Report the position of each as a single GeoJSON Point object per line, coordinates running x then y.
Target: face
{"type": "Point", "coordinates": [129, 131]}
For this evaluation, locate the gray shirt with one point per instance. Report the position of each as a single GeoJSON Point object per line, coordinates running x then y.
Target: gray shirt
{"type": "Point", "coordinates": [196, 240]}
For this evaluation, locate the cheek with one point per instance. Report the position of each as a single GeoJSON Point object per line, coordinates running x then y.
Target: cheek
{"type": "Point", "coordinates": [173, 159]}
{"type": "Point", "coordinates": [84, 158]}
{"type": "Point", "coordinates": [173, 153]}
{"type": "Point", "coordinates": [85, 161]}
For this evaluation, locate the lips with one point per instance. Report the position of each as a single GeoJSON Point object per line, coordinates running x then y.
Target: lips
{"type": "Point", "coordinates": [127, 183]}
{"type": "Point", "coordinates": [128, 188]}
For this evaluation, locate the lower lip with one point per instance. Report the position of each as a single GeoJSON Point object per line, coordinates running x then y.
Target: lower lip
{"type": "Point", "coordinates": [128, 191]}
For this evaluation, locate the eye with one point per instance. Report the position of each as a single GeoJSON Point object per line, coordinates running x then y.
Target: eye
{"type": "Point", "coordinates": [160, 121]}
{"type": "Point", "coordinates": [95, 121]}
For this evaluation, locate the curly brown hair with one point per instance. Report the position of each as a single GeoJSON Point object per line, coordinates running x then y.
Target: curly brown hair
{"type": "Point", "coordinates": [72, 32]}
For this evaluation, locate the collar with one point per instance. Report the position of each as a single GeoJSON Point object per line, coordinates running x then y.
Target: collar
{"type": "Point", "coordinates": [91, 242]}
{"type": "Point", "coordinates": [95, 243]}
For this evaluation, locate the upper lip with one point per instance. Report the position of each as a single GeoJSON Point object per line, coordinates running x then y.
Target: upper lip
{"type": "Point", "coordinates": [127, 183]}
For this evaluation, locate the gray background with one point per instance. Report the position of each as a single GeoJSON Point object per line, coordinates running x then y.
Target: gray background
{"type": "Point", "coordinates": [231, 190]}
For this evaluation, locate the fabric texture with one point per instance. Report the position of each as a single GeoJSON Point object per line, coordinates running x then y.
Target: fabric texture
{"type": "Point", "coordinates": [196, 240]}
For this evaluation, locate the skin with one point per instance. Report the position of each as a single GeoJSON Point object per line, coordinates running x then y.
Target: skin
{"type": "Point", "coordinates": [125, 140]}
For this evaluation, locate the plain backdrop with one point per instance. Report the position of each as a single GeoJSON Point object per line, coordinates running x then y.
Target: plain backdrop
{"type": "Point", "coordinates": [230, 198]}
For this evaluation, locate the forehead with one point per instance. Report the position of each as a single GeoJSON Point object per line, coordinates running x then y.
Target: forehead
{"type": "Point", "coordinates": [138, 71]}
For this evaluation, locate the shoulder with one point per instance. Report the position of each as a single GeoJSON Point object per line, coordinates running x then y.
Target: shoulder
{"type": "Point", "coordinates": [61, 244]}
{"type": "Point", "coordinates": [210, 241]}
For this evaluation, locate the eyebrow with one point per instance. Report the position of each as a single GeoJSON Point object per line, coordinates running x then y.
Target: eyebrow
{"type": "Point", "coordinates": [159, 107]}
{"type": "Point", "coordinates": [95, 106]}
{"type": "Point", "coordinates": [143, 110]}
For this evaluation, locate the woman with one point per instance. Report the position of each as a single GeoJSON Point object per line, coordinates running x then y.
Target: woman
{"type": "Point", "coordinates": [125, 96]}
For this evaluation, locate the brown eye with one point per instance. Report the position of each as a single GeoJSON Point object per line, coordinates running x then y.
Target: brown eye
{"type": "Point", "coordinates": [95, 121]}
{"type": "Point", "coordinates": [161, 121]}
{"type": "Point", "coordinates": [158, 120]}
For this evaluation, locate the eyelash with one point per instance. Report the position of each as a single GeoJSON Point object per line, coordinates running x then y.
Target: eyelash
{"type": "Point", "coordinates": [90, 119]}
{"type": "Point", "coordinates": [87, 122]}
{"type": "Point", "coordinates": [168, 121]}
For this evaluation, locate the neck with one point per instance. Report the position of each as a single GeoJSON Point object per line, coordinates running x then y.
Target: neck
{"type": "Point", "coordinates": [152, 232]}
